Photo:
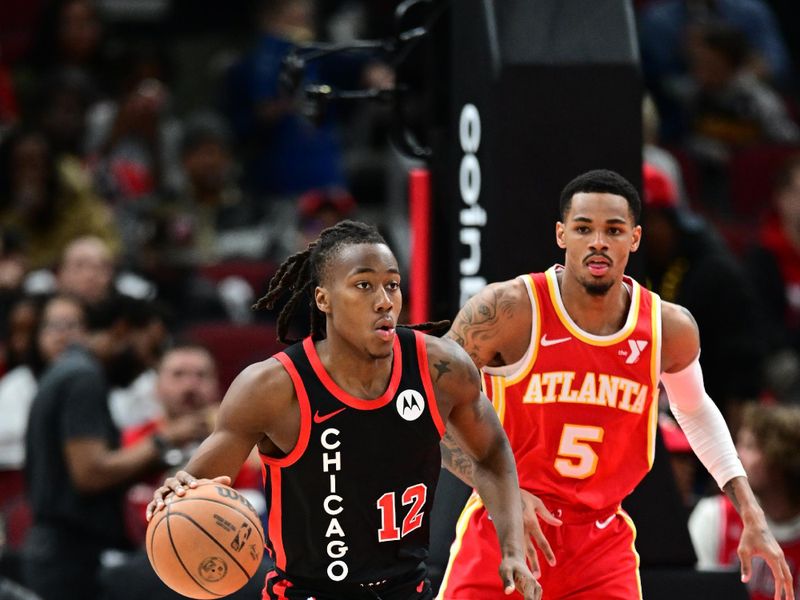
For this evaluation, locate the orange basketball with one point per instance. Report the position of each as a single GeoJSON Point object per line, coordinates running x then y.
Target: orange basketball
{"type": "Point", "coordinates": [206, 544]}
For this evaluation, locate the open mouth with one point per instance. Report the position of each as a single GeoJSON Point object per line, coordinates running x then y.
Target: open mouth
{"type": "Point", "coordinates": [385, 331]}
{"type": "Point", "coordinates": [598, 266]}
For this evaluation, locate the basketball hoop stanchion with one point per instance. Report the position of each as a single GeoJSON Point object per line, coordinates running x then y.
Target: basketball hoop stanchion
{"type": "Point", "coordinates": [419, 210]}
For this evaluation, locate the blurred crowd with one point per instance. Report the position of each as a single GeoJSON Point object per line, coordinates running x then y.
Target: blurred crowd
{"type": "Point", "coordinates": [154, 168]}
{"type": "Point", "coordinates": [721, 185]}
{"type": "Point", "coordinates": [155, 165]}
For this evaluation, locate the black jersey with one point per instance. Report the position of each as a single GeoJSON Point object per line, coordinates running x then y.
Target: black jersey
{"type": "Point", "coordinates": [351, 502]}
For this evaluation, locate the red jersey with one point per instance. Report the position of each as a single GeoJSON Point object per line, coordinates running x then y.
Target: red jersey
{"type": "Point", "coordinates": [580, 410]}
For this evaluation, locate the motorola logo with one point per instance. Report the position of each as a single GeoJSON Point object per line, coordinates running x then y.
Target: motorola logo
{"type": "Point", "coordinates": [410, 404]}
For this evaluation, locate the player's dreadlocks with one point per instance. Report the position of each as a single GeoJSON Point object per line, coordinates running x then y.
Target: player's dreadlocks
{"type": "Point", "coordinates": [301, 273]}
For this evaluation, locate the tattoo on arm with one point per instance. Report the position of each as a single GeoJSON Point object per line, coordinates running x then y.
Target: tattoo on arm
{"type": "Point", "coordinates": [729, 490]}
{"type": "Point", "coordinates": [455, 460]}
{"type": "Point", "coordinates": [442, 367]}
{"type": "Point", "coordinates": [474, 326]}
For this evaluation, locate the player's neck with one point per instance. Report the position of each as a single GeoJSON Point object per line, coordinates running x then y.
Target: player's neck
{"type": "Point", "coordinates": [353, 370]}
{"type": "Point", "coordinates": [603, 314]}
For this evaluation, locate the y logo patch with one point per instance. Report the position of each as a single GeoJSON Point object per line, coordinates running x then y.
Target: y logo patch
{"type": "Point", "coordinates": [636, 346]}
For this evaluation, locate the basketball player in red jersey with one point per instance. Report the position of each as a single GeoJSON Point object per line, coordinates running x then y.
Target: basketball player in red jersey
{"type": "Point", "coordinates": [348, 423]}
{"type": "Point", "coordinates": [572, 360]}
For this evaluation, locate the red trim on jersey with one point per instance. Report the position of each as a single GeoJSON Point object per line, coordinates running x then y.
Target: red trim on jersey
{"type": "Point", "coordinates": [275, 523]}
{"type": "Point", "coordinates": [305, 416]}
{"type": "Point", "coordinates": [279, 588]}
{"type": "Point", "coordinates": [348, 399]}
{"type": "Point", "coordinates": [425, 375]}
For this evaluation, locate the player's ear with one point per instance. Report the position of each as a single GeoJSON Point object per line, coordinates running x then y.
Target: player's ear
{"type": "Point", "coordinates": [636, 238]}
{"type": "Point", "coordinates": [321, 299]}
{"type": "Point", "coordinates": [560, 230]}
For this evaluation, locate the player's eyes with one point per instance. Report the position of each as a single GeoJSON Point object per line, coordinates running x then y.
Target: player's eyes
{"type": "Point", "coordinates": [363, 285]}
{"type": "Point", "coordinates": [394, 285]}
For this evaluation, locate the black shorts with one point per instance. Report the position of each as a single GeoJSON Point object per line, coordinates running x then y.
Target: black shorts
{"type": "Point", "coordinates": [415, 586]}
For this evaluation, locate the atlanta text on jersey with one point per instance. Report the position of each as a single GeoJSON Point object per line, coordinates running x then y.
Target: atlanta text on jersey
{"type": "Point", "coordinates": [597, 389]}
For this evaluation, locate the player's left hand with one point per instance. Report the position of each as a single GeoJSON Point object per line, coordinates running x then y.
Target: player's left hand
{"type": "Point", "coordinates": [534, 509]}
{"type": "Point", "coordinates": [757, 540]}
{"type": "Point", "coordinates": [517, 576]}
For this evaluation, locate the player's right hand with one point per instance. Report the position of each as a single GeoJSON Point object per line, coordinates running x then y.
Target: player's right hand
{"type": "Point", "coordinates": [534, 509]}
{"type": "Point", "coordinates": [517, 576]}
{"type": "Point", "coordinates": [177, 485]}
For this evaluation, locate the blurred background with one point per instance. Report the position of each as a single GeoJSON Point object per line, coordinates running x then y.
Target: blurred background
{"type": "Point", "coordinates": [174, 152]}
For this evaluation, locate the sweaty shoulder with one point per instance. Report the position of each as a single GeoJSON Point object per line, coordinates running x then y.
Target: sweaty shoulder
{"type": "Point", "coordinates": [455, 378]}
{"type": "Point", "coordinates": [681, 337]}
{"type": "Point", "coordinates": [488, 326]}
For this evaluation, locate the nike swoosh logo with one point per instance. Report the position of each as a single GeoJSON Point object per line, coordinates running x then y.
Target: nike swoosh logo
{"type": "Point", "coordinates": [545, 342]}
{"type": "Point", "coordinates": [606, 523]}
{"type": "Point", "coordinates": [318, 418]}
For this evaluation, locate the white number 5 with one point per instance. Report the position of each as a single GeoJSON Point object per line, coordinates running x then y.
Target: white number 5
{"type": "Point", "coordinates": [581, 459]}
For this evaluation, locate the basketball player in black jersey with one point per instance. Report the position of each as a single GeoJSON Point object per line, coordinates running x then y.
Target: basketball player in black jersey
{"type": "Point", "coordinates": [348, 424]}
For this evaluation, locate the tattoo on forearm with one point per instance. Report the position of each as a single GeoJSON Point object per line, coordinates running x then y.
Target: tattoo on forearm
{"type": "Point", "coordinates": [442, 367]}
{"type": "Point", "coordinates": [456, 460]}
{"type": "Point", "coordinates": [731, 493]}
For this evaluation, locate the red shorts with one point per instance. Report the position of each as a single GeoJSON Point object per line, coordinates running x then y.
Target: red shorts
{"type": "Point", "coordinates": [593, 560]}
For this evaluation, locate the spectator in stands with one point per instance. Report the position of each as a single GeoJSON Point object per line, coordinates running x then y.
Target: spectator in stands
{"type": "Point", "coordinates": [137, 402]}
{"type": "Point", "coordinates": [13, 266]}
{"type": "Point", "coordinates": [728, 106]}
{"type": "Point", "coordinates": [132, 143]}
{"type": "Point", "coordinates": [70, 38]}
{"type": "Point", "coordinates": [318, 210]}
{"type": "Point", "coordinates": [19, 330]}
{"type": "Point", "coordinates": [210, 218]}
{"type": "Point", "coordinates": [664, 27]}
{"type": "Point", "coordinates": [187, 390]}
{"type": "Point", "coordinates": [45, 202]}
{"type": "Point", "coordinates": [290, 155]}
{"type": "Point", "coordinates": [60, 109]}
{"type": "Point", "coordinates": [688, 263]}
{"type": "Point", "coordinates": [774, 267]}
{"type": "Point", "coordinates": [60, 322]}
{"type": "Point", "coordinates": [86, 269]}
{"type": "Point", "coordinates": [75, 469]}
{"type": "Point", "coordinates": [654, 153]}
{"type": "Point", "coordinates": [768, 444]}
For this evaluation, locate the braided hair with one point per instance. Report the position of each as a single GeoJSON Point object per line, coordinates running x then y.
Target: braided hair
{"type": "Point", "coordinates": [302, 272]}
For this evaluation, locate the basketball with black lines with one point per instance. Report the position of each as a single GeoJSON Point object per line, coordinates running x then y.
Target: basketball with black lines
{"type": "Point", "coordinates": [207, 543]}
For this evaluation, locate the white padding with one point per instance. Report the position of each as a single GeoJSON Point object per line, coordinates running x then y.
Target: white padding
{"type": "Point", "coordinates": [702, 423]}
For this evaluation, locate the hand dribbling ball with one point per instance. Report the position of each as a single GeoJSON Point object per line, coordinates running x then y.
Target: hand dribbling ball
{"type": "Point", "coordinates": [207, 543]}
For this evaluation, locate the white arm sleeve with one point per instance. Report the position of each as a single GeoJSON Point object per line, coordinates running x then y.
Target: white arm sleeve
{"type": "Point", "coordinates": [702, 423]}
